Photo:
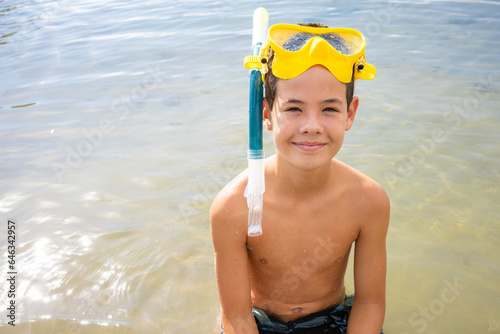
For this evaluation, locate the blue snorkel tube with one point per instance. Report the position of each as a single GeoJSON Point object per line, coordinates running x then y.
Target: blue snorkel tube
{"type": "Point", "coordinates": [256, 186]}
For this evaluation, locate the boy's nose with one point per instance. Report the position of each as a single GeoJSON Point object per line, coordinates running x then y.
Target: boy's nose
{"type": "Point", "coordinates": [311, 125]}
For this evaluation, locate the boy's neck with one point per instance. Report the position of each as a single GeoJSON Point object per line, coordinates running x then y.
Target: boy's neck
{"type": "Point", "coordinates": [291, 180]}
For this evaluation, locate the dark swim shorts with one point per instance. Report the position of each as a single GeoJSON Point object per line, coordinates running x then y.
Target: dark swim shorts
{"type": "Point", "coordinates": [332, 320]}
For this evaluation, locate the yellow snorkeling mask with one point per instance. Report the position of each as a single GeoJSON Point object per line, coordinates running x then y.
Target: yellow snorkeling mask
{"type": "Point", "coordinates": [297, 48]}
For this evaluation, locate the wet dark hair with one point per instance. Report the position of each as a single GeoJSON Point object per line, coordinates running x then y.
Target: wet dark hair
{"type": "Point", "coordinates": [294, 43]}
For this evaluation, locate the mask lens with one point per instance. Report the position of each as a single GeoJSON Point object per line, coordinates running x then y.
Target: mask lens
{"type": "Point", "coordinates": [337, 42]}
{"type": "Point", "coordinates": [297, 41]}
{"type": "Point", "coordinates": [345, 43]}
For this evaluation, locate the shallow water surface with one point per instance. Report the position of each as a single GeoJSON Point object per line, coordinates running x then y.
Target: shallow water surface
{"type": "Point", "coordinates": [120, 121]}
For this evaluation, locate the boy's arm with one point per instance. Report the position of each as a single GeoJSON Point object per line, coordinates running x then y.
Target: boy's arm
{"type": "Point", "coordinates": [228, 221]}
{"type": "Point", "coordinates": [368, 311]}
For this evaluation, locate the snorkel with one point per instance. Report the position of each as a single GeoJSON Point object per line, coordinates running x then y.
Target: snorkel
{"type": "Point", "coordinates": [256, 186]}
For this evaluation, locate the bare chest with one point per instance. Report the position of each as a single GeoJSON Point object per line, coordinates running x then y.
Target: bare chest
{"type": "Point", "coordinates": [318, 236]}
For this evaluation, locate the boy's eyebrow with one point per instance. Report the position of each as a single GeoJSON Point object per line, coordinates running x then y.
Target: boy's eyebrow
{"type": "Point", "coordinates": [331, 101]}
{"type": "Point", "coordinates": [294, 101]}
{"type": "Point", "coordinates": [327, 101]}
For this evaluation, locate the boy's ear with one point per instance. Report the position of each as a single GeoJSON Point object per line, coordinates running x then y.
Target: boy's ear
{"type": "Point", "coordinates": [266, 115]}
{"type": "Point", "coordinates": [351, 112]}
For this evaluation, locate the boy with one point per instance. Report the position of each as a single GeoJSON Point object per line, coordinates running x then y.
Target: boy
{"type": "Point", "coordinates": [291, 278]}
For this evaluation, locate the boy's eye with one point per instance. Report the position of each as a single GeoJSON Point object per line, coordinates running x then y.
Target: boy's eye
{"type": "Point", "coordinates": [293, 109]}
{"type": "Point", "coordinates": [330, 110]}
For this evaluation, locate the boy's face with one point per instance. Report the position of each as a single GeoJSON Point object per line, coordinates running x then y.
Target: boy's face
{"type": "Point", "coordinates": [309, 117]}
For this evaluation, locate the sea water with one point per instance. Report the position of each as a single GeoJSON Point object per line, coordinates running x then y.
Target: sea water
{"type": "Point", "coordinates": [120, 121]}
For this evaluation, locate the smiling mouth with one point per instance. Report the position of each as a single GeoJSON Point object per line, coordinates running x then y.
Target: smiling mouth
{"type": "Point", "coordinates": [309, 146]}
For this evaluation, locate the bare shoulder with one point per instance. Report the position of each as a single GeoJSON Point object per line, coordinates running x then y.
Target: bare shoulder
{"type": "Point", "coordinates": [365, 194]}
{"type": "Point", "coordinates": [229, 206]}
{"type": "Point", "coordinates": [230, 202]}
